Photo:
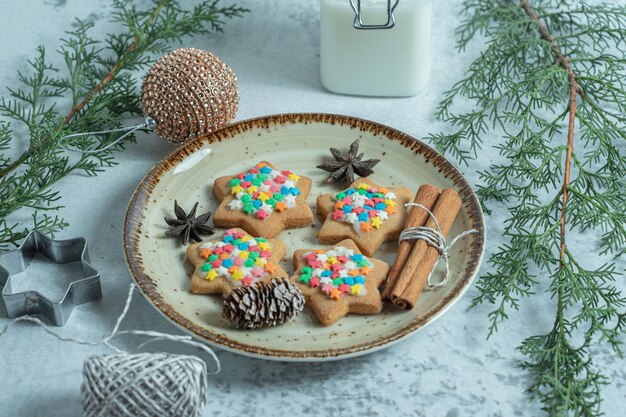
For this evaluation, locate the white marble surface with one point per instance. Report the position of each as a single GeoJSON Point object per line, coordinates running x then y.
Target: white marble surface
{"type": "Point", "coordinates": [447, 369]}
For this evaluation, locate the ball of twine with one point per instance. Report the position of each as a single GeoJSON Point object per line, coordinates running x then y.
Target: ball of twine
{"type": "Point", "coordinates": [189, 92]}
{"type": "Point", "coordinates": [139, 384]}
{"type": "Point", "coordinates": [143, 385]}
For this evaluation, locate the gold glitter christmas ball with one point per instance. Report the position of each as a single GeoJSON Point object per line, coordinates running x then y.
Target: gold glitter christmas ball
{"type": "Point", "coordinates": [189, 92]}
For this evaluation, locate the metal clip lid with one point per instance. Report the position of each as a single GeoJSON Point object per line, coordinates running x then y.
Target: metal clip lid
{"type": "Point", "coordinates": [358, 18]}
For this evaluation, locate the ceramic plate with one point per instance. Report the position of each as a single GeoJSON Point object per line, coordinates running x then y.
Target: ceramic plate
{"type": "Point", "coordinates": [296, 142]}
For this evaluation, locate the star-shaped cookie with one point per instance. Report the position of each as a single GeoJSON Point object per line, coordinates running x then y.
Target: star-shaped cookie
{"type": "Point", "coordinates": [236, 259]}
{"type": "Point", "coordinates": [263, 200]}
{"type": "Point", "coordinates": [339, 280]}
{"type": "Point", "coordinates": [366, 212]}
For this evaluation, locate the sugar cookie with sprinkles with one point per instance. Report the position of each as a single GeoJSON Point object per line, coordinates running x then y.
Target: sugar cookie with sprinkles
{"type": "Point", "coordinates": [365, 212]}
{"type": "Point", "coordinates": [263, 200]}
{"type": "Point", "coordinates": [339, 280]}
{"type": "Point", "coordinates": [234, 260]}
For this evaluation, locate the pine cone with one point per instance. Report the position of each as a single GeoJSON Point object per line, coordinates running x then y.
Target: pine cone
{"type": "Point", "coordinates": [264, 304]}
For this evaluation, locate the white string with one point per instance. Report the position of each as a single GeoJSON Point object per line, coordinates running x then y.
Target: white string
{"type": "Point", "coordinates": [107, 339]}
{"type": "Point", "coordinates": [149, 123]}
{"type": "Point", "coordinates": [434, 238]}
{"type": "Point", "coordinates": [47, 329]}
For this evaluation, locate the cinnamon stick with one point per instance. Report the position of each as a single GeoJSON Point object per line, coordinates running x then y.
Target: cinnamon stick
{"type": "Point", "coordinates": [421, 261]}
{"type": "Point", "coordinates": [427, 196]}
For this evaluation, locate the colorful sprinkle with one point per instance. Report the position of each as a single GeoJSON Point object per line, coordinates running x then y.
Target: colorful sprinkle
{"type": "Point", "coordinates": [337, 272]}
{"type": "Point", "coordinates": [211, 275]}
{"type": "Point", "coordinates": [263, 190]}
{"type": "Point", "coordinates": [238, 257]}
{"type": "Point", "coordinates": [364, 207]}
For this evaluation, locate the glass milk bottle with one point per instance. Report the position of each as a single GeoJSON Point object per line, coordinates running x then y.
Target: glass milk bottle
{"type": "Point", "coordinates": [376, 47]}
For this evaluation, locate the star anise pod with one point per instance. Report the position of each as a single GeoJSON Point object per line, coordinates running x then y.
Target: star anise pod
{"type": "Point", "coordinates": [188, 225]}
{"type": "Point", "coordinates": [345, 165]}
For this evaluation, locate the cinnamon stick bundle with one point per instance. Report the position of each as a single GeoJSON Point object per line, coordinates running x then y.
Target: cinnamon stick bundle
{"type": "Point", "coordinates": [420, 262]}
{"type": "Point", "coordinates": [427, 196]}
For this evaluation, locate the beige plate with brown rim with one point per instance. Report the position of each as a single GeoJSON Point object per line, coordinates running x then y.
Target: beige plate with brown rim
{"type": "Point", "coordinates": [296, 142]}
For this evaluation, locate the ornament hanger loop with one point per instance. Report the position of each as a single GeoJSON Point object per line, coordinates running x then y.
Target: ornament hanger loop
{"type": "Point", "coordinates": [149, 123]}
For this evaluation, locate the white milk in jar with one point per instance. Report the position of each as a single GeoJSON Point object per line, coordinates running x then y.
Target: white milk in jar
{"type": "Point", "coordinates": [390, 60]}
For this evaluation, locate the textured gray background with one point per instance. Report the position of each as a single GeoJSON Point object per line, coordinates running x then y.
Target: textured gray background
{"type": "Point", "coordinates": [447, 369]}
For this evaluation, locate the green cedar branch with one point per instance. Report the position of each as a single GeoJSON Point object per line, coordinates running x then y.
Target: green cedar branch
{"type": "Point", "coordinates": [98, 78]}
{"type": "Point", "coordinates": [549, 69]}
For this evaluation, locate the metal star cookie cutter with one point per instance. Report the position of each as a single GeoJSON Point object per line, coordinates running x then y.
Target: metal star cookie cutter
{"type": "Point", "coordinates": [32, 302]}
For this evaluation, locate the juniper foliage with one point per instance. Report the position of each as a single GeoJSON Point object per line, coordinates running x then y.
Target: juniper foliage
{"type": "Point", "coordinates": [550, 82]}
{"type": "Point", "coordinates": [98, 78]}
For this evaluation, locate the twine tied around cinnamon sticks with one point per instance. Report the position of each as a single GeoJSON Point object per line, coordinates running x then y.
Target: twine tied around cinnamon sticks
{"type": "Point", "coordinates": [435, 238]}
{"type": "Point", "coordinates": [422, 244]}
